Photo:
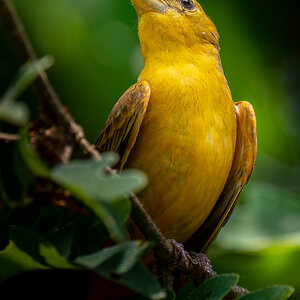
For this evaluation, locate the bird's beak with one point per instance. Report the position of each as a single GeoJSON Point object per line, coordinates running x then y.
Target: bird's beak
{"type": "Point", "coordinates": [142, 6]}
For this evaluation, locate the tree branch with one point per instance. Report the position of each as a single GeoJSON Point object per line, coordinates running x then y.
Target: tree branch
{"type": "Point", "coordinates": [52, 106]}
{"type": "Point", "coordinates": [196, 266]}
{"type": "Point", "coordinates": [8, 137]}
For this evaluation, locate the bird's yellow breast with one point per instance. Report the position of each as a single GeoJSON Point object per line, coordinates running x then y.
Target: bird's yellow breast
{"type": "Point", "coordinates": [186, 142]}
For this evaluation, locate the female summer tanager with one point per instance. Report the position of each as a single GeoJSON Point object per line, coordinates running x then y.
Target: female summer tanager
{"type": "Point", "coordinates": [179, 125]}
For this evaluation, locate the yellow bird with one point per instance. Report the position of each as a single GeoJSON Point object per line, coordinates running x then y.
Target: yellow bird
{"type": "Point", "coordinates": [179, 125]}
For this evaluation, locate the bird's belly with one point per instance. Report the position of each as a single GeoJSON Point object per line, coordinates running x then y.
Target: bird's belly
{"type": "Point", "coordinates": [187, 163]}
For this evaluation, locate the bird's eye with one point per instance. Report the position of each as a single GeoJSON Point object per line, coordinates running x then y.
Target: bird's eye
{"type": "Point", "coordinates": [188, 4]}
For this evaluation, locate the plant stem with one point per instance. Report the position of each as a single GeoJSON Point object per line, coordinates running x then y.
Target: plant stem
{"type": "Point", "coordinates": [55, 111]}
{"type": "Point", "coordinates": [8, 137]}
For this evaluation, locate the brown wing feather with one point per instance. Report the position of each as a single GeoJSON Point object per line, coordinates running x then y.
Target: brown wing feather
{"type": "Point", "coordinates": [123, 124]}
{"type": "Point", "coordinates": [241, 170]}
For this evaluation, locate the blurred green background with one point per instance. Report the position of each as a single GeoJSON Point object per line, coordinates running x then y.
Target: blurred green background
{"type": "Point", "coordinates": [96, 48]}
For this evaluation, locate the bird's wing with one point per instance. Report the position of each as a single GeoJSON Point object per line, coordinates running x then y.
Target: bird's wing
{"type": "Point", "coordinates": [122, 127]}
{"type": "Point", "coordinates": [241, 170]}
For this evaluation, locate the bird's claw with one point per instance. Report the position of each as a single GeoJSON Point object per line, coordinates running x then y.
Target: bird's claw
{"type": "Point", "coordinates": [187, 263]}
{"type": "Point", "coordinates": [207, 269]}
{"type": "Point", "coordinates": [182, 257]}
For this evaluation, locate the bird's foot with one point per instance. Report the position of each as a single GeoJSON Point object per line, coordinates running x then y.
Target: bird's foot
{"type": "Point", "coordinates": [181, 257]}
{"type": "Point", "coordinates": [187, 264]}
{"type": "Point", "coordinates": [206, 268]}
{"type": "Point", "coordinates": [183, 266]}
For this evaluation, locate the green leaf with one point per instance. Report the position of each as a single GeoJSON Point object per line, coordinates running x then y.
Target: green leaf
{"type": "Point", "coordinates": [28, 251]}
{"type": "Point", "coordinates": [38, 248]}
{"type": "Point", "coordinates": [102, 193]}
{"type": "Point", "coordinates": [85, 180]}
{"type": "Point", "coordinates": [14, 261]}
{"type": "Point", "coordinates": [112, 219]}
{"type": "Point", "coordinates": [86, 235]}
{"type": "Point", "coordinates": [120, 263]}
{"type": "Point", "coordinates": [140, 280]}
{"type": "Point", "coordinates": [185, 291]}
{"type": "Point", "coordinates": [12, 111]}
{"type": "Point", "coordinates": [215, 288]}
{"type": "Point", "coordinates": [118, 259]}
{"type": "Point", "coordinates": [89, 177]}
{"type": "Point", "coordinates": [123, 208]}
{"type": "Point", "coordinates": [31, 157]}
{"type": "Point", "coordinates": [276, 292]}
{"type": "Point", "coordinates": [26, 75]}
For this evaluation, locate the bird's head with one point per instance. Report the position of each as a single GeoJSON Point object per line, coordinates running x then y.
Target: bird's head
{"type": "Point", "coordinates": [165, 25]}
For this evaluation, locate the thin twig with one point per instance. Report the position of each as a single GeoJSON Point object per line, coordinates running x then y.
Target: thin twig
{"type": "Point", "coordinates": [8, 137]}
{"type": "Point", "coordinates": [51, 102]}
{"type": "Point", "coordinates": [57, 114]}
{"type": "Point", "coordinates": [149, 229]}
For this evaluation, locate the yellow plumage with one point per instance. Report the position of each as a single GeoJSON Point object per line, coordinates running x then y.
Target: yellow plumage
{"type": "Point", "coordinates": [178, 124]}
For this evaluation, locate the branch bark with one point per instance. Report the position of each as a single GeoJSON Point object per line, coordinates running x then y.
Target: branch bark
{"type": "Point", "coordinates": [172, 256]}
{"type": "Point", "coordinates": [8, 137]}
{"type": "Point", "coordinates": [52, 106]}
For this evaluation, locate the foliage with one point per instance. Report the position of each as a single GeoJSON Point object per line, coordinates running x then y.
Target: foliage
{"type": "Point", "coordinates": [104, 196]}
{"type": "Point", "coordinates": [213, 289]}
{"type": "Point", "coordinates": [16, 112]}
{"type": "Point", "coordinates": [273, 292]}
